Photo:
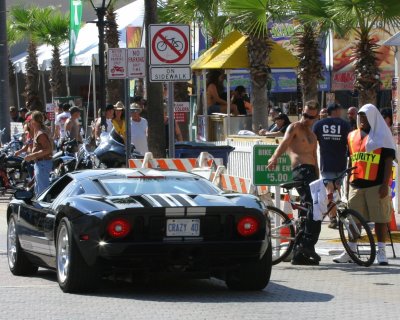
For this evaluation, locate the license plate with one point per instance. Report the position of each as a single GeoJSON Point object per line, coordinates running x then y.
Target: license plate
{"type": "Point", "coordinates": [183, 227]}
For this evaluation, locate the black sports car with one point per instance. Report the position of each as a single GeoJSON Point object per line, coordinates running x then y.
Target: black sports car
{"type": "Point", "coordinates": [95, 223]}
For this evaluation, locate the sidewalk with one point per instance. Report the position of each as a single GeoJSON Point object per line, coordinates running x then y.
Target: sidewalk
{"type": "Point", "coordinates": [329, 241]}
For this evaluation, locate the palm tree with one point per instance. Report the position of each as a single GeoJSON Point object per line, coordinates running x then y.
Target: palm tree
{"type": "Point", "coordinates": [316, 22]}
{"type": "Point", "coordinates": [13, 37]}
{"type": "Point", "coordinates": [206, 13]}
{"type": "Point", "coordinates": [54, 31]}
{"type": "Point", "coordinates": [155, 113]}
{"type": "Point", "coordinates": [251, 17]}
{"type": "Point", "coordinates": [113, 86]}
{"type": "Point", "coordinates": [26, 21]}
{"type": "Point", "coordinates": [362, 17]}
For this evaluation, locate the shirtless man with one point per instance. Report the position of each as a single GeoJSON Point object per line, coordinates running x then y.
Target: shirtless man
{"type": "Point", "coordinates": [301, 144]}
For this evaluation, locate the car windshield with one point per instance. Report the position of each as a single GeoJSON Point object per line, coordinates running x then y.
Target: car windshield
{"type": "Point", "coordinates": [128, 186]}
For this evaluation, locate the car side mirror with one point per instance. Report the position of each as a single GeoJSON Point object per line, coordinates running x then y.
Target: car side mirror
{"type": "Point", "coordinates": [24, 195]}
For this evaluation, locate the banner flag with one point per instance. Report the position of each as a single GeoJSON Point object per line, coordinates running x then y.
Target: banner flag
{"type": "Point", "coordinates": [74, 26]}
{"type": "Point", "coordinates": [133, 37]}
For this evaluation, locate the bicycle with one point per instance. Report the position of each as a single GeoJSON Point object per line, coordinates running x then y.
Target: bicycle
{"type": "Point", "coordinates": [285, 231]}
{"type": "Point", "coordinates": [162, 45]}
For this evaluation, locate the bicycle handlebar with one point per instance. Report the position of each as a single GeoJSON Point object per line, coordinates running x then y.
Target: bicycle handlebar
{"type": "Point", "coordinates": [340, 176]}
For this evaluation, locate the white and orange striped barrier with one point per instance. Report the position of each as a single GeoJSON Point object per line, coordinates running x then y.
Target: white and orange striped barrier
{"type": "Point", "coordinates": [180, 164]}
{"type": "Point", "coordinates": [236, 184]}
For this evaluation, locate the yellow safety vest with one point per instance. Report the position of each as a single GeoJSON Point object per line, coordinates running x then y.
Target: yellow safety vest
{"type": "Point", "coordinates": [367, 163]}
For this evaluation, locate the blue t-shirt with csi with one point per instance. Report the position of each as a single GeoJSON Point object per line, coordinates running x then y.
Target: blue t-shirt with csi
{"type": "Point", "coordinates": [332, 138]}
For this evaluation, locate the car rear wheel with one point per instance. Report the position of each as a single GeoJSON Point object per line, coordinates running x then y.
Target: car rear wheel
{"type": "Point", "coordinates": [18, 263]}
{"type": "Point", "coordinates": [73, 273]}
{"type": "Point", "coordinates": [252, 276]}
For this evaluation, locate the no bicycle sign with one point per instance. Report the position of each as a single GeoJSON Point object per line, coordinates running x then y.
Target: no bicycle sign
{"type": "Point", "coordinates": [169, 45]}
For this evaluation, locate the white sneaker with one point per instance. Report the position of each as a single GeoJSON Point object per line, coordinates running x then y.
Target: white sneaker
{"type": "Point", "coordinates": [343, 258]}
{"type": "Point", "coordinates": [381, 257]}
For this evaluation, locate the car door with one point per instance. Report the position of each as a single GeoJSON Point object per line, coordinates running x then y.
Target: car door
{"type": "Point", "coordinates": [31, 217]}
{"type": "Point", "coordinates": [40, 218]}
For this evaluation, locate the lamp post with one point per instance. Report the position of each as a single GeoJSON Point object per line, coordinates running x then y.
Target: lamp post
{"type": "Point", "coordinates": [4, 86]}
{"type": "Point", "coordinates": [101, 6]}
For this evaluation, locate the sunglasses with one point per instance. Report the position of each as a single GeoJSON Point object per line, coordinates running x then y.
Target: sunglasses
{"type": "Point", "coordinates": [307, 116]}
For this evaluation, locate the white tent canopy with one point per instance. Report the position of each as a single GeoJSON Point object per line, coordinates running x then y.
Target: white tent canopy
{"type": "Point", "coordinates": [88, 40]}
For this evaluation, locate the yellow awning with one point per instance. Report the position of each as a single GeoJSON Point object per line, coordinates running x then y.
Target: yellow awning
{"type": "Point", "coordinates": [231, 53]}
{"type": "Point", "coordinates": [216, 49]}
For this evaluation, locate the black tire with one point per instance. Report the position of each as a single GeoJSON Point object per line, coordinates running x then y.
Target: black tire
{"type": "Point", "coordinates": [352, 226]}
{"type": "Point", "coordinates": [283, 234]}
{"type": "Point", "coordinates": [252, 276]}
{"type": "Point", "coordinates": [18, 263]}
{"type": "Point", "coordinates": [74, 275]}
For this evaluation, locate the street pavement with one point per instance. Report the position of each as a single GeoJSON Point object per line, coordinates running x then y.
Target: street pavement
{"type": "Point", "coordinates": [328, 291]}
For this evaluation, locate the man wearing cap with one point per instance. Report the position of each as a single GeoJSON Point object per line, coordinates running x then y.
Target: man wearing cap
{"type": "Point", "coordinates": [14, 115]}
{"type": "Point", "coordinates": [282, 122]}
{"type": "Point", "coordinates": [332, 134]}
{"type": "Point", "coordinates": [22, 114]}
{"type": "Point", "coordinates": [139, 129]}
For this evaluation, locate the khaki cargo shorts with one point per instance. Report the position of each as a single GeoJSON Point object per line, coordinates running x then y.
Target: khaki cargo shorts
{"type": "Point", "coordinates": [367, 202]}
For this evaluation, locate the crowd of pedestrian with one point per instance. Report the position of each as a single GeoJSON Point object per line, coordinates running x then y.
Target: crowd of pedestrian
{"type": "Point", "coordinates": [320, 144]}
{"type": "Point", "coordinates": [363, 141]}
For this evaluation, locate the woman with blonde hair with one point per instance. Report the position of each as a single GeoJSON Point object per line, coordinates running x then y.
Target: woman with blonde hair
{"type": "Point", "coordinates": [42, 152]}
{"type": "Point", "coordinates": [119, 119]}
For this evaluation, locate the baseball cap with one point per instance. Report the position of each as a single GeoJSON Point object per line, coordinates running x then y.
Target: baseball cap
{"type": "Point", "coordinates": [333, 106]}
{"type": "Point", "coordinates": [28, 117]}
{"type": "Point", "coordinates": [280, 116]}
{"type": "Point", "coordinates": [23, 109]}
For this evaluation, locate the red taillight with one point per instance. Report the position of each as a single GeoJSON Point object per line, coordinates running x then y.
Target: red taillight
{"type": "Point", "coordinates": [247, 226]}
{"type": "Point", "coordinates": [118, 228]}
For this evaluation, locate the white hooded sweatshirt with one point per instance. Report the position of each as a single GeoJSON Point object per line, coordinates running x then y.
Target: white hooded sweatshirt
{"type": "Point", "coordinates": [379, 136]}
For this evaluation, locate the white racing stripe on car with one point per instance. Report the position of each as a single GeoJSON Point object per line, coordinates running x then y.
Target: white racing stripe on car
{"type": "Point", "coordinates": [185, 200]}
{"type": "Point", "coordinates": [170, 201]}
{"type": "Point", "coordinates": [174, 212]}
{"type": "Point", "coordinates": [153, 201]}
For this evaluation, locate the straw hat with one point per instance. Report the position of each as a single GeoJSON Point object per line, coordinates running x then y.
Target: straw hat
{"type": "Point", "coordinates": [135, 107]}
{"type": "Point", "coordinates": [119, 106]}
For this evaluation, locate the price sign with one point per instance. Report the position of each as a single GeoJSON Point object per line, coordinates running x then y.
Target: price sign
{"type": "Point", "coordinates": [267, 177]}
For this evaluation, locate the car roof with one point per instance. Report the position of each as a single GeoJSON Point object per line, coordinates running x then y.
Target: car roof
{"type": "Point", "coordinates": [125, 172]}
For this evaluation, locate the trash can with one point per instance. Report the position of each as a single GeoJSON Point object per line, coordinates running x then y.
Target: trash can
{"type": "Point", "coordinates": [191, 149]}
{"type": "Point", "coordinates": [216, 128]}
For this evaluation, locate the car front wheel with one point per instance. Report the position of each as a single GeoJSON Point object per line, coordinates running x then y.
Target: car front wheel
{"type": "Point", "coordinates": [251, 276]}
{"type": "Point", "coordinates": [73, 273]}
{"type": "Point", "coordinates": [18, 263]}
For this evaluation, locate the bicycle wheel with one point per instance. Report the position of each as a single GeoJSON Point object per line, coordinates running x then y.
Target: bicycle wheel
{"type": "Point", "coordinates": [354, 228]}
{"type": "Point", "coordinates": [282, 234]}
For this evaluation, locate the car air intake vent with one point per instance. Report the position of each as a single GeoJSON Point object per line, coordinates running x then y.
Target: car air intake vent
{"type": "Point", "coordinates": [143, 201]}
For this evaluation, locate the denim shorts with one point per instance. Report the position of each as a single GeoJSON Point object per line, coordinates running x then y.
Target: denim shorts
{"type": "Point", "coordinates": [42, 171]}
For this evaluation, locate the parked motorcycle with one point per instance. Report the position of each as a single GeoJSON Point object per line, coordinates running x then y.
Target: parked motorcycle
{"type": "Point", "coordinates": [13, 172]}
{"type": "Point", "coordinates": [84, 156]}
{"type": "Point", "coordinates": [110, 153]}
{"type": "Point", "coordinates": [64, 160]}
